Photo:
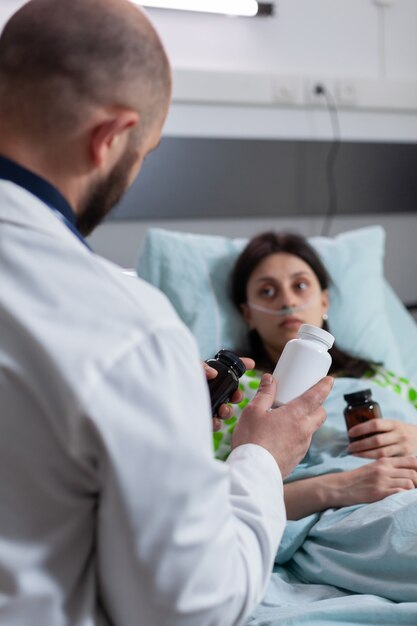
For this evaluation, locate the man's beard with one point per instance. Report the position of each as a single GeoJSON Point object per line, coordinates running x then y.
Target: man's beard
{"type": "Point", "coordinates": [104, 195]}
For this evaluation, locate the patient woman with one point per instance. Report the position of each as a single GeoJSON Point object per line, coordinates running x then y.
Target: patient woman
{"type": "Point", "coordinates": [279, 283]}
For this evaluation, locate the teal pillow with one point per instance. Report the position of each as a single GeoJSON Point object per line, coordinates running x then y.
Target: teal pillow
{"type": "Point", "coordinates": [193, 271]}
{"type": "Point", "coordinates": [358, 316]}
{"type": "Point", "coordinates": [404, 329]}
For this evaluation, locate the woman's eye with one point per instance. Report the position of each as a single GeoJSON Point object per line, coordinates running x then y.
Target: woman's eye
{"type": "Point", "coordinates": [302, 285]}
{"type": "Point", "coordinates": [267, 292]}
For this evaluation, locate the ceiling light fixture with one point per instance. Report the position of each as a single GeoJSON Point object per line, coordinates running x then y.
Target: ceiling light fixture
{"type": "Point", "coordinates": [247, 8]}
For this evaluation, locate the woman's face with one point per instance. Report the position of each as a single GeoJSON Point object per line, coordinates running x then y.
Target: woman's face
{"type": "Point", "coordinates": [279, 282]}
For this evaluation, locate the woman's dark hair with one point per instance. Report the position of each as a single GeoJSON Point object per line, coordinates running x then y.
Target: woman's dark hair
{"type": "Point", "coordinates": [262, 246]}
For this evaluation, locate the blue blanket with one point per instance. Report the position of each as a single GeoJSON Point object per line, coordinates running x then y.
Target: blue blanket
{"type": "Point", "coordinates": [354, 565]}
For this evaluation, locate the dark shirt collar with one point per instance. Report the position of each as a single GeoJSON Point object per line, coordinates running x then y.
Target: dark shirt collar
{"type": "Point", "coordinates": [42, 189]}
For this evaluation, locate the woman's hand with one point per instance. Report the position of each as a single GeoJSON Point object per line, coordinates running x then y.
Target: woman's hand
{"type": "Point", "coordinates": [384, 438]}
{"type": "Point", "coordinates": [369, 483]}
{"type": "Point", "coordinates": [226, 411]}
{"type": "Point", "coordinates": [378, 480]}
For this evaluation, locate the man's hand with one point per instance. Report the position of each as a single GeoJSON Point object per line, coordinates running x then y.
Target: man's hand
{"type": "Point", "coordinates": [226, 411]}
{"type": "Point", "coordinates": [286, 431]}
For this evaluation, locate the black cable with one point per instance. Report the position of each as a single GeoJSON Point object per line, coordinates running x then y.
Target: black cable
{"type": "Point", "coordinates": [331, 160]}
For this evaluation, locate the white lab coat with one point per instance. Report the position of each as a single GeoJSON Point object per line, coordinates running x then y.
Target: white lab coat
{"type": "Point", "coordinates": [112, 508]}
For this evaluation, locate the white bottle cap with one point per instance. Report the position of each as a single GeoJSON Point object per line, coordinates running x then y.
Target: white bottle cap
{"type": "Point", "coordinates": [308, 330]}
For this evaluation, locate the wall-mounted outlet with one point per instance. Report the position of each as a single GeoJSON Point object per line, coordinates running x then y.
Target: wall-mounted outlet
{"type": "Point", "coordinates": [314, 91]}
{"type": "Point", "coordinates": [287, 90]}
{"type": "Point", "coordinates": [346, 93]}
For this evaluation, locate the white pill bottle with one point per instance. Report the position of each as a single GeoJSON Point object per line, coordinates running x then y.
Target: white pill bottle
{"type": "Point", "coordinates": [303, 362]}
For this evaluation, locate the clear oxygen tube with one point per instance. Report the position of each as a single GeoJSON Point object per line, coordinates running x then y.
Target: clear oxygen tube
{"type": "Point", "coordinates": [284, 311]}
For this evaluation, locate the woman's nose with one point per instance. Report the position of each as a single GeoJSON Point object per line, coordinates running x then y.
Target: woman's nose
{"type": "Point", "coordinates": [287, 298]}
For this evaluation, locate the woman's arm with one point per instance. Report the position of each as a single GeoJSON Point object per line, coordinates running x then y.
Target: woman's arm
{"type": "Point", "coordinates": [383, 438]}
{"type": "Point", "coordinates": [312, 495]}
{"type": "Point", "coordinates": [368, 483]}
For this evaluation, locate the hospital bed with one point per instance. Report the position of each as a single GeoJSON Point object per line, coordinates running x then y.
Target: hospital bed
{"type": "Point", "coordinates": [355, 565]}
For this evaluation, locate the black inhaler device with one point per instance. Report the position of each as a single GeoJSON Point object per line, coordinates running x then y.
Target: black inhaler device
{"type": "Point", "coordinates": [230, 368]}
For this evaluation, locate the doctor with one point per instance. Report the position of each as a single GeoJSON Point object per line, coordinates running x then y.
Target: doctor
{"type": "Point", "coordinates": [109, 512]}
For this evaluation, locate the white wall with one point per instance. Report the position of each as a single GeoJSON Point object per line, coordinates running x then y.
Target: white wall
{"type": "Point", "coordinates": [7, 8]}
{"type": "Point", "coordinates": [305, 36]}
{"type": "Point", "coordinates": [373, 48]}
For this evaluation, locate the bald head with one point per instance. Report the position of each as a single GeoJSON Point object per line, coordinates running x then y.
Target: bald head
{"type": "Point", "coordinates": [61, 59]}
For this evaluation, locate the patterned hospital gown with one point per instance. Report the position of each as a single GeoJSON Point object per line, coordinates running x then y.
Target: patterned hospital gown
{"type": "Point", "coordinates": [249, 384]}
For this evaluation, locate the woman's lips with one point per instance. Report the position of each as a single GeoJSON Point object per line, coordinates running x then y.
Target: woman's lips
{"type": "Point", "coordinates": [290, 322]}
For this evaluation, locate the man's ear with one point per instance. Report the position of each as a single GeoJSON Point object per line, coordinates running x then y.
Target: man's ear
{"type": "Point", "coordinates": [107, 134]}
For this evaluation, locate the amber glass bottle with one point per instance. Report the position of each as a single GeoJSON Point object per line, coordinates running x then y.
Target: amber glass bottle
{"type": "Point", "coordinates": [360, 408]}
